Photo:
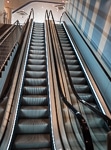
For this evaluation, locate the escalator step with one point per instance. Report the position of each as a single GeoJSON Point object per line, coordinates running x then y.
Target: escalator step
{"type": "Point", "coordinates": [62, 35]}
{"type": "Point", "coordinates": [38, 28]}
{"type": "Point", "coordinates": [34, 112]}
{"type": "Point", "coordinates": [76, 73]}
{"type": "Point", "coordinates": [35, 36]}
{"type": "Point", "coordinates": [35, 90]}
{"type": "Point", "coordinates": [70, 57]}
{"type": "Point", "coordinates": [36, 62]}
{"type": "Point", "coordinates": [37, 52]}
{"type": "Point", "coordinates": [82, 88]}
{"type": "Point", "coordinates": [36, 67]}
{"type": "Point", "coordinates": [36, 74]}
{"type": "Point", "coordinates": [38, 126]}
{"type": "Point", "coordinates": [37, 44]}
{"type": "Point", "coordinates": [72, 62]}
{"type": "Point", "coordinates": [78, 81]}
{"type": "Point", "coordinates": [31, 141]}
{"type": "Point", "coordinates": [34, 56]}
{"type": "Point", "coordinates": [32, 149]}
{"type": "Point", "coordinates": [97, 123]}
{"type": "Point", "coordinates": [63, 42]}
{"type": "Point", "coordinates": [35, 82]}
{"type": "Point", "coordinates": [66, 45]}
{"type": "Point", "coordinates": [74, 67]}
{"type": "Point", "coordinates": [38, 31]}
{"type": "Point", "coordinates": [35, 47]}
{"type": "Point", "coordinates": [68, 51]}
{"type": "Point", "coordinates": [34, 100]}
{"type": "Point", "coordinates": [88, 97]}
{"type": "Point", "coordinates": [37, 40]}
{"type": "Point", "coordinates": [67, 48]}
{"type": "Point", "coordinates": [63, 39]}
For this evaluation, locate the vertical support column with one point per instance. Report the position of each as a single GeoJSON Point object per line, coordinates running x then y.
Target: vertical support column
{"type": "Point", "coordinates": [1, 11]}
{"type": "Point", "coordinates": [9, 14]}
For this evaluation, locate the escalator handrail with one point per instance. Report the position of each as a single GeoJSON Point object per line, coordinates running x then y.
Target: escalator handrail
{"type": "Point", "coordinates": [4, 36]}
{"type": "Point", "coordinates": [7, 58]}
{"type": "Point", "coordinates": [9, 103]}
{"type": "Point", "coordinates": [9, 31]}
{"type": "Point", "coordinates": [46, 15]}
{"type": "Point", "coordinates": [31, 13]}
{"type": "Point", "coordinates": [103, 116]}
{"type": "Point", "coordinates": [53, 95]}
{"type": "Point", "coordinates": [81, 120]}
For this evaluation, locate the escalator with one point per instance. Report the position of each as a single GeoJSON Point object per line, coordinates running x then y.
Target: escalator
{"type": "Point", "coordinates": [33, 125]}
{"type": "Point", "coordinates": [4, 27]}
{"type": "Point", "coordinates": [33, 129]}
{"type": "Point", "coordinates": [97, 125]}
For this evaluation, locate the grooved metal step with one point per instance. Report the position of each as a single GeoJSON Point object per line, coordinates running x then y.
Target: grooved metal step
{"type": "Point", "coordinates": [36, 67]}
{"type": "Point", "coordinates": [34, 112]}
{"type": "Point", "coordinates": [33, 126]}
{"type": "Point", "coordinates": [34, 56]}
{"type": "Point", "coordinates": [36, 74]}
{"type": "Point", "coordinates": [35, 82]}
{"type": "Point", "coordinates": [31, 141]}
{"type": "Point", "coordinates": [36, 62]}
{"type": "Point", "coordinates": [36, 90]}
{"type": "Point", "coordinates": [34, 100]}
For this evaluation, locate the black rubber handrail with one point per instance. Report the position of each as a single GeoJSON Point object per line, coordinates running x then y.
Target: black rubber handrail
{"type": "Point", "coordinates": [31, 13]}
{"type": "Point", "coordinates": [107, 73]}
{"type": "Point", "coordinates": [46, 15]}
{"type": "Point", "coordinates": [81, 120]}
{"type": "Point", "coordinates": [4, 36]}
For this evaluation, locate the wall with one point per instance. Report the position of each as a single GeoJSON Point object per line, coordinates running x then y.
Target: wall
{"type": "Point", "coordinates": [93, 17]}
{"type": "Point", "coordinates": [1, 11]}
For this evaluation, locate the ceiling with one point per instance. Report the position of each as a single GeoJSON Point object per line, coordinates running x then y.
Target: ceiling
{"type": "Point", "coordinates": [16, 4]}
{"type": "Point", "coordinates": [39, 12]}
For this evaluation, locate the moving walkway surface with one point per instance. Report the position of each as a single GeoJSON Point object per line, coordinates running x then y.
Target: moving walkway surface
{"type": "Point", "coordinates": [33, 123]}
{"type": "Point", "coordinates": [96, 124]}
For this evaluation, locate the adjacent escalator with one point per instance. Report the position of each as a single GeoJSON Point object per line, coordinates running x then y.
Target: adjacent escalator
{"type": "Point", "coordinates": [33, 129]}
{"type": "Point", "coordinates": [98, 127]}
{"type": "Point", "coordinates": [4, 27]}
